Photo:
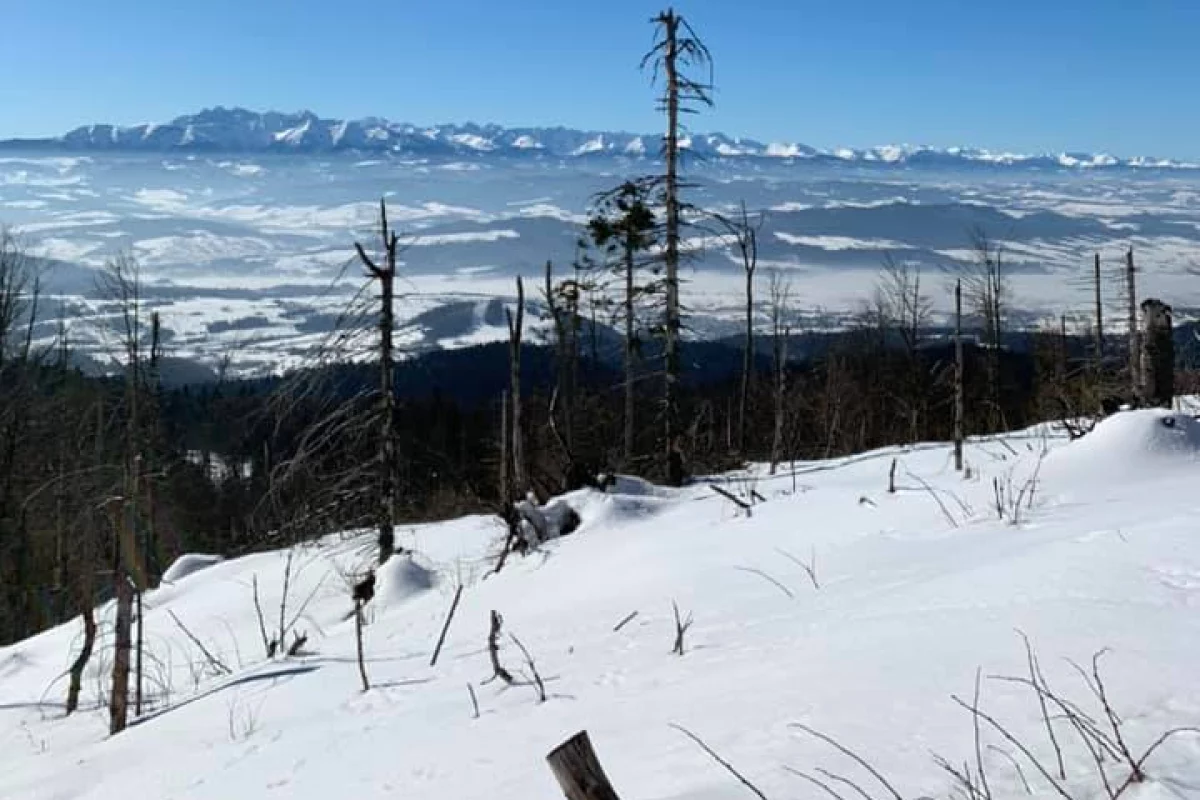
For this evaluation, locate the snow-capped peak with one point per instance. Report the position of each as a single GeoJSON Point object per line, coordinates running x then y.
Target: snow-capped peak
{"type": "Point", "coordinates": [240, 130]}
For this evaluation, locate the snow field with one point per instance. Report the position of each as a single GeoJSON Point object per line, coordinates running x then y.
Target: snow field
{"type": "Point", "coordinates": [917, 590]}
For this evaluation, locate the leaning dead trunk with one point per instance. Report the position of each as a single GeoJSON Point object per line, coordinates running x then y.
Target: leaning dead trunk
{"type": "Point", "coordinates": [88, 615]}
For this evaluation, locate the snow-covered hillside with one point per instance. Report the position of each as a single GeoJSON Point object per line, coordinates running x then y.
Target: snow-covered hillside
{"type": "Point", "coordinates": [834, 604]}
{"type": "Point", "coordinates": [238, 130]}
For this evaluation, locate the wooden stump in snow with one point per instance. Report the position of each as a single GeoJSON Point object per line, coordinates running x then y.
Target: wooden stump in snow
{"type": "Point", "coordinates": [1157, 358]}
{"type": "Point", "coordinates": [578, 771]}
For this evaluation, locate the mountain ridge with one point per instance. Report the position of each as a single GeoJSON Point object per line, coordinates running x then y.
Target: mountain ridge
{"type": "Point", "coordinates": [238, 130]}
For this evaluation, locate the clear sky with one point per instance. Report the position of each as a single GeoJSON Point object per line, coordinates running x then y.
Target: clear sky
{"type": "Point", "coordinates": [1025, 75]}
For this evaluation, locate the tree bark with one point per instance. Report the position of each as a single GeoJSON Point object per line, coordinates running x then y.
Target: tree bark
{"type": "Point", "coordinates": [1157, 356]}
{"type": "Point", "coordinates": [1099, 312]}
{"type": "Point", "coordinates": [672, 455]}
{"type": "Point", "coordinates": [630, 355]}
{"type": "Point", "coordinates": [1135, 350]}
{"type": "Point", "coordinates": [958, 378]}
{"type": "Point", "coordinates": [578, 771]}
{"type": "Point", "coordinates": [747, 357]}
{"type": "Point", "coordinates": [515, 323]}
{"type": "Point", "coordinates": [389, 478]}
{"type": "Point", "coordinates": [506, 493]}
{"type": "Point", "coordinates": [118, 704]}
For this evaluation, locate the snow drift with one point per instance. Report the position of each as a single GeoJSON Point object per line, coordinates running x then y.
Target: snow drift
{"type": "Point", "coordinates": [834, 605]}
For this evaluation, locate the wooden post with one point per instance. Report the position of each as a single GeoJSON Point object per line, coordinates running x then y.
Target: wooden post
{"type": "Point", "coordinates": [1157, 368]}
{"type": "Point", "coordinates": [958, 378]}
{"type": "Point", "coordinates": [578, 771]}
{"type": "Point", "coordinates": [1134, 347]}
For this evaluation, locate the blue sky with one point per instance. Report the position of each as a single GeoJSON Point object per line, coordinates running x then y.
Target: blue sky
{"type": "Point", "coordinates": [1116, 75]}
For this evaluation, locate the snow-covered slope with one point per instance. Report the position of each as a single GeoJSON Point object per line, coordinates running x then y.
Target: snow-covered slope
{"type": "Point", "coordinates": [238, 130]}
{"type": "Point", "coordinates": [910, 594]}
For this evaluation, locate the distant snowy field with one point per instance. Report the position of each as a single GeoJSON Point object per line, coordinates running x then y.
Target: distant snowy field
{"type": "Point", "coordinates": [253, 256]}
{"type": "Point", "coordinates": [911, 593]}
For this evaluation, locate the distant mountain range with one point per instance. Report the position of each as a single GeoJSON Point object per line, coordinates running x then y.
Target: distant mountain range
{"type": "Point", "coordinates": [237, 130]}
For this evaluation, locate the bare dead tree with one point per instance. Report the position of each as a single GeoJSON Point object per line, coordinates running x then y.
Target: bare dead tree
{"type": "Point", "coordinates": [987, 290]}
{"type": "Point", "coordinates": [780, 292]}
{"type": "Point", "coordinates": [493, 646]}
{"type": "Point", "coordinates": [388, 464]}
{"type": "Point", "coordinates": [122, 281]}
{"type": "Point", "coordinates": [1135, 348]}
{"type": "Point", "coordinates": [516, 322]}
{"type": "Point", "coordinates": [903, 310]}
{"type": "Point", "coordinates": [562, 306]}
{"type": "Point", "coordinates": [744, 233]}
{"type": "Point", "coordinates": [88, 615]}
{"type": "Point", "coordinates": [677, 49]}
{"type": "Point", "coordinates": [20, 292]}
{"type": "Point", "coordinates": [1099, 332]}
{"type": "Point", "coordinates": [505, 469]}
{"type": "Point", "coordinates": [959, 394]}
{"type": "Point", "coordinates": [681, 628]}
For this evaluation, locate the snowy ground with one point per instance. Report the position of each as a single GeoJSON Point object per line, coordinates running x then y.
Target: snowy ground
{"type": "Point", "coordinates": [917, 590]}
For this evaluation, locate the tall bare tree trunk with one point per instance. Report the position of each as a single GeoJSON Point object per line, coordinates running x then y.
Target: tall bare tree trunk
{"type": "Point", "coordinates": [958, 378]}
{"type": "Point", "coordinates": [118, 704]}
{"type": "Point", "coordinates": [1135, 349]}
{"type": "Point", "coordinates": [780, 352]}
{"type": "Point", "coordinates": [389, 479]}
{"type": "Point", "coordinates": [630, 353]}
{"type": "Point", "coordinates": [672, 455]}
{"type": "Point", "coordinates": [779, 337]}
{"type": "Point", "coordinates": [747, 360]}
{"type": "Point", "coordinates": [1099, 312]}
{"type": "Point", "coordinates": [515, 324]}
{"type": "Point", "coordinates": [506, 492]}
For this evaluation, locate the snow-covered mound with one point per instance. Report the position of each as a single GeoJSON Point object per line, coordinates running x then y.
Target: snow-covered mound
{"type": "Point", "coordinates": [1130, 445]}
{"type": "Point", "coordinates": [833, 604]}
{"type": "Point", "coordinates": [401, 579]}
{"type": "Point", "coordinates": [189, 564]}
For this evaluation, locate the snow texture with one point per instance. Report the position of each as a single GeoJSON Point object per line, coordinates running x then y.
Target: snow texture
{"type": "Point", "coordinates": [832, 604]}
{"type": "Point", "coordinates": [189, 564]}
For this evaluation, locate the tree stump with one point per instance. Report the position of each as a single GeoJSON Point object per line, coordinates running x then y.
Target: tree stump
{"type": "Point", "coordinates": [578, 771]}
{"type": "Point", "coordinates": [1157, 372]}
